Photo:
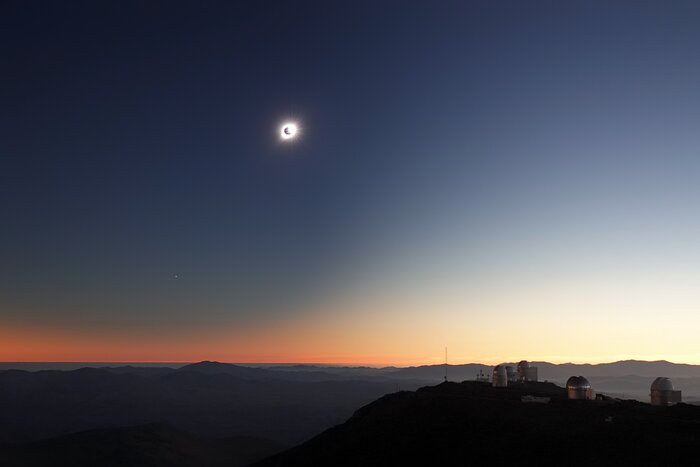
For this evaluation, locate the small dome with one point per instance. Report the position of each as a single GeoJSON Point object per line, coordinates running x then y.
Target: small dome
{"type": "Point", "coordinates": [523, 364]}
{"type": "Point", "coordinates": [578, 382]}
{"type": "Point", "coordinates": [662, 384]}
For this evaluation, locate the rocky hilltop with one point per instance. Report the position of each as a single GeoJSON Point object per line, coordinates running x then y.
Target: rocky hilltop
{"type": "Point", "coordinates": [471, 423]}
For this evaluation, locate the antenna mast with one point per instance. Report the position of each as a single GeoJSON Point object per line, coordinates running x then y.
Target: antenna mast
{"type": "Point", "coordinates": [445, 364]}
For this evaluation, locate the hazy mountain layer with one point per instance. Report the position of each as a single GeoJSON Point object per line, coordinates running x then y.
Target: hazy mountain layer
{"type": "Point", "coordinates": [207, 399]}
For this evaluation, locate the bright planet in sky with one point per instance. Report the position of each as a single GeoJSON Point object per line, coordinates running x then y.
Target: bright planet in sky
{"type": "Point", "coordinates": [289, 131]}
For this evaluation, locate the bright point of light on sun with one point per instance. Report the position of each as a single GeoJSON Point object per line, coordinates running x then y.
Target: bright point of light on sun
{"type": "Point", "coordinates": [289, 131]}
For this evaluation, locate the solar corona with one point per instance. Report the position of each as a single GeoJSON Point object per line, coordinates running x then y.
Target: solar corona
{"type": "Point", "coordinates": [289, 131]}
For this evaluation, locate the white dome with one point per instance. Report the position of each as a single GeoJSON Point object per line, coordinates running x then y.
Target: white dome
{"type": "Point", "coordinates": [662, 384]}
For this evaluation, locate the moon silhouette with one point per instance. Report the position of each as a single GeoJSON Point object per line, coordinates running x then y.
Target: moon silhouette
{"type": "Point", "coordinates": [289, 131]}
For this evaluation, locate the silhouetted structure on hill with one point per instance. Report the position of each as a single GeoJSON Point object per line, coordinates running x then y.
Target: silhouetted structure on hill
{"type": "Point", "coordinates": [440, 425]}
{"type": "Point", "coordinates": [578, 387]}
{"type": "Point", "coordinates": [663, 393]}
{"type": "Point", "coordinates": [500, 376]}
{"type": "Point", "coordinates": [526, 373]}
{"type": "Point", "coordinates": [512, 375]}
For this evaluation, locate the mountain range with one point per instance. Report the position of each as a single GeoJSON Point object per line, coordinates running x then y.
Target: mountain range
{"type": "Point", "coordinates": [219, 399]}
{"type": "Point", "coordinates": [152, 415]}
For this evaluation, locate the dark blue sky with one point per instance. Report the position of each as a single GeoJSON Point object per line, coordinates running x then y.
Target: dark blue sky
{"type": "Point", "coordinates": [444, 144]}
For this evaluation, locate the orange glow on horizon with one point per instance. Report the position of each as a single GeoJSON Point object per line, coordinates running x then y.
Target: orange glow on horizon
{"type": "Point", "coordinates": [272, 345]}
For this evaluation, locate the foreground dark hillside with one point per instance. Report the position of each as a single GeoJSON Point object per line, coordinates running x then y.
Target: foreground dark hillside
{"type": "Point", "coordinates": [140, 446]}
{"type": "Point", "coordinates": [472, 423]}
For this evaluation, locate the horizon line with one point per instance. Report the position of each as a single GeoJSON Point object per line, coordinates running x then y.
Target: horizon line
{"type": "Point", "coordinates": [335, 364]}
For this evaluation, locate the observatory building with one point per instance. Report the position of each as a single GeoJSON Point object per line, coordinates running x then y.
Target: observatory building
{"type": "Point", "coordinates": [526, 373]}
{"type": "Point", "coordinates": [578, 387]}
{"type": "Point", "coordinates": [500, 376]}
{"type": "Point", "coordinates": [512, 375]}
{"type": "Point", "coordinates": [503, 375]}
{"type": "Point", "coordinates": [663, 393]}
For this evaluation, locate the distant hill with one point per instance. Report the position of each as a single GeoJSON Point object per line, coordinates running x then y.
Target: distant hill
{"type": "Point", "coordinates": [141, 446]}
{"type": "Point", "coordinates": [436, 373]}
{"type": "Point", "coordinates": [138, 370]}
{"type": "Point", "coordinates": [474, 423]}
{"type": "Point", "coordinates": [208, 399]}
{"type": "Point", "coordinates": [252, 373]}
{"type": "Point", "coordinates": [629, 378]}
{"type": "Point", "coordinates": [288, 404]}
{"type": "Point", "coordinates": [619, 369]}
{"type": "Point", "coordinates": [555, 372]}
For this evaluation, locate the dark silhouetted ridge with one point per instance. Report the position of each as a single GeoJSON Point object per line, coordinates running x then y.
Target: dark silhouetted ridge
{"type": "Point", "coordinates": [474, 423]}
{"type": "Point", "coordinates": [152, 445]}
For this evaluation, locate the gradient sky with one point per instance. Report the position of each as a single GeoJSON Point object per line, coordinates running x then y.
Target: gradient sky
{"type": "Point", "coordinates": [507, 179]}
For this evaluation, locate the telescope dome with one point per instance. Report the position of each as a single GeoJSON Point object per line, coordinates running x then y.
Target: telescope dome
{"type": "Point", "coordinates": [578, 382]}
{"type": "Point", "coordinates": [662, 384]}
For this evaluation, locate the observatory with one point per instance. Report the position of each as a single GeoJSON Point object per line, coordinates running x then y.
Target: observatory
{"type": "Point", "coordinates": [500, 376]}
{"type": "Point", "coordinates": [512, 375]}
{"type": "Point", "coordinates": [505, 375]}
{"type": "Point", "coordinates": [663, 393]}
{"type": "Point", "coordinates": [526, 373]}
{"type": "Point", "coordinates": [578, 387]}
